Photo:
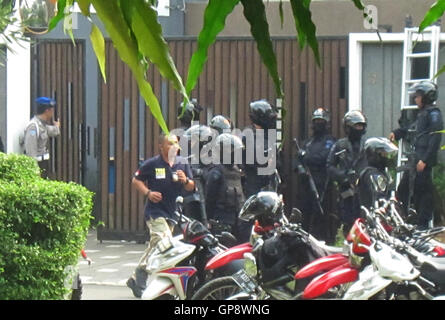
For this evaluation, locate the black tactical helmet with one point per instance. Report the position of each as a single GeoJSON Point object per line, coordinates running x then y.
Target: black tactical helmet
{"type": "Point", "coordinates": [321, 113]}
{"type": "Point", "coordinates": [220, 123]}
{"type": "Point", "coordinates": [353, 117]}
{"type": "Point", "coordinates": [263, 114]}
{"type": "Point", "coordinates": [379, 151]}
{"type": "Point", "coordinates": [191, 112]}
{"type": "Point", "coordinates": [265, 206]}
{"type": "Point", "coordinates": [427, 89]}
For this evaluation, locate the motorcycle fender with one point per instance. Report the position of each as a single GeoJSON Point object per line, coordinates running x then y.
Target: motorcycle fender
{"type": "Point", "coordinates": [158, 287]}
{"type": "Point", "coordinates": [321, 284]}
{"type": "Point", "coordinates": [228, 255]}
{"type": "Point", "coordinates": [321, 264]}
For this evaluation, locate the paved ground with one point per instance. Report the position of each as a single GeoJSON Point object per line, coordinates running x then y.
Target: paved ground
{"type": "Point", "coordinates": [113, 263]}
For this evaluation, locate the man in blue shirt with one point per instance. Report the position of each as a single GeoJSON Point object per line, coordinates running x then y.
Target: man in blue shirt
{"type": "Point", "coordinates": [161, 179]}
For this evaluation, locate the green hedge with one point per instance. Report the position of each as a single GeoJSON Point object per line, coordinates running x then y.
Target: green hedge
{"type": "Point", "coordinates": [43, 227]}
{"type": "Point", "coordinates": [439, 193]}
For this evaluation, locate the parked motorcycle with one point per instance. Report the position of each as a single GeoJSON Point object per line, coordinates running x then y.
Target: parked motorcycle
{"type": "Point", "coordinates": [374, 269]}
{"type": "Point", "coordinates": [176, 266]}
{"type": "Point", "coordinates": [270, 266]}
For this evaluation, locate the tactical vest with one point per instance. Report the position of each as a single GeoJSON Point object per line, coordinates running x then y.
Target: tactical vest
{"type": "Point", "coordinates": [233, 197]}
{"type": "Point", "coordinates": [233, 194]}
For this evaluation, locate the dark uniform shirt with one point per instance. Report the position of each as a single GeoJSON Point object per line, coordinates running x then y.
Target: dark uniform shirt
{"type": "Point", "coordinates": [254, 182]}
{"type": "Point", "coordinates": [157, 174]}
{"type": "Point", "coordinates": [317, 150]}
{"type": "Point", "coordinates": [426, 143]}
{"type": "Point", "coordinates": [346, 155]}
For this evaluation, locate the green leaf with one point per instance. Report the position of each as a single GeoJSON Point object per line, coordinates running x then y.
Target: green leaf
{"type": "Point", "coordinates": [113, 19]}
{"type": "Point", "coordinates": [215, 15]}
{"type": "Point", "coordinates": [98, 42]}
{"type": "Point", "coordinates": [305, 26]}
{"type": "Point", "coordinates": [255, 13]}
{"type": "Point", "coordinates": [84, 6]}
{"type": "Point", "coordinates": [442, 70]}
{"type": "Point", "coordinates": [61, 4]}
{"type": "Point", "coordinates": [433, 14]}
{"type": "Point", "coordinates": [280, 9]}
{"type": "Point", "coordinates": [142, 19]}
{"type": "Point", "coordinates": [359, 4]}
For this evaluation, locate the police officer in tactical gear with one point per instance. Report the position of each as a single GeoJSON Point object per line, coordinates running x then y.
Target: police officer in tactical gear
{"type": "Point", "coordinates": [190, 114]}
{"type": "Point", "coordinates": [374, 181]}
{"type": "Point", "coordinates": [198, 137]}
{"type": "Point", "coordinates": [313, 156]}
{"type": "Point", "coordinates": [345, 161]}
{"type": "Point", "coordinates": [38, 131]}
{"type": "Point", "coordinates": [224, 192]}
{"type": "Point", "coordinates": [263, 116]}
{"type": "Point", "coordinates": [221, 124]}
{"type": "Point", "coordinates": [425, 145]}
{"type": "Point", "coordinates": [257, 141]}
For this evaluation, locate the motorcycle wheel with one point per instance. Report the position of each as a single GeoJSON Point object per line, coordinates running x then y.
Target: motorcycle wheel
{"type": "Point", "coordinates": [218, 289]}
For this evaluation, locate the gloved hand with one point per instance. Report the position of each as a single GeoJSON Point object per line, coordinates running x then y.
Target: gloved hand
{"type": "Point", "coordinates": [349, 177]}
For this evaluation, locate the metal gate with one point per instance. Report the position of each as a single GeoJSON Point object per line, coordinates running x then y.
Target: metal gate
{"type": "Point", "coordinates": [58, 72]}
{"type": "Point", "coordinates": [233, 76]}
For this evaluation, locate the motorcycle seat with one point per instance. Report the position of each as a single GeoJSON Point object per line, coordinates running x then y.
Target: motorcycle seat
{"type": "Point", "coordinates": [327, 248]}
{"type": "Point", "coordinates": [434, 269]}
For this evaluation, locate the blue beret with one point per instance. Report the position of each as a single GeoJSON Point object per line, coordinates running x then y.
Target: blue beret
{"type": "Point", "coordinates": [46, 100]}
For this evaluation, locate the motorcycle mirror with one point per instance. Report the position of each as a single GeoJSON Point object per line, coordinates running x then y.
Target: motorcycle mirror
{"type": "Point", "coordinates": [296, 216]}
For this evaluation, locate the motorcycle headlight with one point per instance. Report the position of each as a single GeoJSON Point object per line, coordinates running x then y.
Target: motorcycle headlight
{"type": "Point", "coordinates": [250, 265]}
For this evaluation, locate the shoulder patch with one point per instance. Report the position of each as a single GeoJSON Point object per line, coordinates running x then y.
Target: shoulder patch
{"type": "Point", "coordinates": [435, 115]}
{"type": "Point", "coordinates": [329, 144]}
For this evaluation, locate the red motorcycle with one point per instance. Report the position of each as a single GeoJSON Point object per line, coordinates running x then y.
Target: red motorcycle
{"type": "Point", "coordinates": [335, 270]}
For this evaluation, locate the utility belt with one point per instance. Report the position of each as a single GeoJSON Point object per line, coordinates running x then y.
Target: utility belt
{"type": "Point", "coordinates": [45, 156]}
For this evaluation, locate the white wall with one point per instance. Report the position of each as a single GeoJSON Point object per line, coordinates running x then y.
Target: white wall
{"type": "Point", "coordinates": [18, 91]}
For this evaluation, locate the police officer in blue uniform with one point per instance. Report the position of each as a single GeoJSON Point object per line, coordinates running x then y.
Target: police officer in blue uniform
{"type": "Point", "coordinates": [426, 145]}
{"type": "Point", "coordinates": [38, 131]}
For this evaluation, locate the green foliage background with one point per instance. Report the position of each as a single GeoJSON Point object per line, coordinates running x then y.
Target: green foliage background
{"type": "Point", "coordinates": [43, 227]}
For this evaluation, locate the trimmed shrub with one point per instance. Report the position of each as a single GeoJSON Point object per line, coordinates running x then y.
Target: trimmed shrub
{"type": "Point", "coordinates": [18, 168]}
{"type": "Point", "coordinates": [43, 227]}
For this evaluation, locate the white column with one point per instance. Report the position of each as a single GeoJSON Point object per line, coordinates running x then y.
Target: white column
{"type": "Point", "coordinates": [18, 89]}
